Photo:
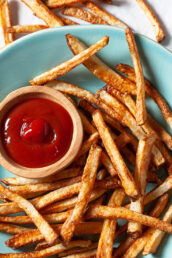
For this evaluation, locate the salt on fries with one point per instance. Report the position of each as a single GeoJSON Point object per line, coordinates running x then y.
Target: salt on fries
{"type": "Point", "coordinates": [159, 33]}
{"type": "Point", "coordinates": [141, 115]}
{"type": "Point", "coordinates": [70, 64]}
{"type": "Point", "coordinates": [42, 11]}
{"type": "Point", "coordinates": [26, 28]}
{"type": "Point", "coordinates": [5, 20]}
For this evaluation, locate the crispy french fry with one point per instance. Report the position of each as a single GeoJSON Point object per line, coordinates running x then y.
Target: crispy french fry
{"type": "Point", "coordinates": [67, 66]}
{"type": "Point", "coordinates": [5, 20]}
{"type": "Point", "coordinates": [87, 184]}
{"type": "Point", "coordinates": [156, 237]}
{"type": "Point", "coordinates": [159, 33]}
{"type": "Point", "coordinates": [68, 21]}
{"type": "Point", "coordinates": [87, 144]}
{"type": "Point", "coordinates": [89, 254]}
{"type": "Point", "coordinates": [141, 114]}
{"type": "Point", "coordinates": [26, 28]}
{"type": "Point", "coordinates": [100, 211]}
{"type": "Point", "coordinates": [12, 229]}
{"type": "Point", "coordinates": [110, 19]}
{"type": "Point", "coordinates": [83, 15]}
{"type": "Point", "coordinates": [47, 231]}
{"type": "Point", "coordinates": [117, 161]}
{"type": "Point", "coordinates": [50, 251]}
{"type": "Point", "coordinates": [101, 174]}
{"type": "Point", "coordinates": [34, 235]}
{"type": "Point", "coordinates": [42, 11]}
{"type": "Point", "coordinates": [155, 212]}
{"type": "Point", "coordinates": [67, 173]}
{"type": "Point", "coordinates": [98, 68]}
{"type": "Point", "coordinates": [153, 93]}
{"type": "Point", "coordinates": [61, 3]}
{"type": "Point", "coordinates": [88, 127]}
{"type": "Point", "coordinates": [43, 244]}
{"type": "Point", "coordinates": [43, 187]}
{"type": "Point", "coordinates": [105, 245]}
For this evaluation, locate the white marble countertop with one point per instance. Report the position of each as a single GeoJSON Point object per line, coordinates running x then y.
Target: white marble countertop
{"type": "Point", "coordinates": [126, 10]}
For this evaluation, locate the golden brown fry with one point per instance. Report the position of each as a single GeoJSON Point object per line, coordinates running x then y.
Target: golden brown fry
{"type": "Point", "coordinates": [141, 114]}
{"type": "Point", "coordinates": [117, 161]}
{"type": "Point", "coordinates": [50, 251]}
{"type": "Point", "coordinates": [47, 231]}
{"type": "Point", "coordinates": [153, 93]}
{"type": "Point", "coordinates": [87, 184]}
{"type": "Point", "coordinates": [83, 15]}
{"type": "Point", "coordinates": [67, 66]}
{"type": "Point", "coordinates": [26, 28]}
{"type": "Point", "coordinates": [159, 33]}
{"type": "Point", "coordinates": [101, 174]}
{"type": "Point", "coordinates": [34, 235]}
{"type": "Point", "coordinates": [156, 237]}
{"type": "Point", "coordinates": [110, 19]}
{"type": "Point", "coordinates": [105, 245]}
{"type": "Point", "coordinates": [100, 69]}
{"type": "Point", "coordinates": [42, 11]}
{"type": "Point", "coordinates": [61, 3]}
{"type": "Point", "coordinates": [100, 211]}
{"type": "Point", "coordinates": [89, 254]}
{"type": "Point", "coordinates": [5, 21]}
{"type": "Point", "coordinates": [78, 250]}
{"type": "Point", "coordinates": [87, 144]}
{"type": "Point", "coordinates": [68, 21]}
{"type": "Point", "coordinates": [88, 127]}
{"type": "Point", "coordinates": [66, 173]}
{"type": "Point", "coordinates": [12, 229]}
{"type": "Point", "coordinates": [43, 187]}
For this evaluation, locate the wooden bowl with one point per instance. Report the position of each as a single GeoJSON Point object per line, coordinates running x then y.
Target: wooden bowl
{"type": "Point", "coordinates": [41, 92]}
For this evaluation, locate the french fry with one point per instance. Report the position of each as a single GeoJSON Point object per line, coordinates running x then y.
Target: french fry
{"type": "Point", "coordinates": [155, 239]}
{"type": "Point", "coordinates": [61, 3]}
{"type": "Point", "coordinates": [100, 211]}
{"type": "Point", "coordinates": [26, 28]}
{"type": "Point", "coordinates": [101, 174]}
{"type": "Point", "coordinates": [43, 187]}
{"type": "Point", "coordinates": [117, 161]}
{"type": "Point", "coordinates": [34, 235]}
{"type": "Point", "coordinates": [88, 127]}
{"type": "Point", "coordinates": [123, 115]}
{"type": "Point", "coordinates": [83, 15]}
{"type": "Point", "coordinates": [47, 231]}
{"type": "Point", "coordinates": [42, 11]}
{"type": "Point", "coordinates": [66, 173]}
{"type": "Point", "coordinates": [67, 66]}
{"type": "Point", "coordinates": [105, 245]}
{"type": "Point", "coordinates": [12, 229]}
{"type": "Point", "coordinates": [67, 21]}
{"type": "Point", "coordinates": [152, 92]}
{"type": "Point", "coordinates": [129, 155]}
{"type": "Point", "coordinates": [50, 251]}
{"type": "Point", "coordinates": [153, 178]}
{"type": "Point", "coordinates": [98, 68]}
{"type": "Point", "coordinates": [155, 212]}
{"type": "Point", "coordinates": [110, 19]}
{"type": "Point", "coordinates": [141, 114]}
{"type": "Point", "coordinates": [159, 33]}
{"type": "Point", "coordinates": [43, 244]}
{"type": "Point", "coordinates": [87, 184]}
{"type": "Point", "coordinates": [89, 254]}
{"type": "Point", "coordinates": [5, 20]}
{"type": "Point", "coordinates": [87, 144]}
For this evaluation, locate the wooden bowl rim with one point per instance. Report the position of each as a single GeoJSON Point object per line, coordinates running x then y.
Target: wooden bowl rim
{"type": "Point", "coordinates": [42, 91]}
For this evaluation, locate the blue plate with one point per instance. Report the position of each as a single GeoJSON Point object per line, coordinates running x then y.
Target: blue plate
{"type": "Point", "coordinates": [35, 53]}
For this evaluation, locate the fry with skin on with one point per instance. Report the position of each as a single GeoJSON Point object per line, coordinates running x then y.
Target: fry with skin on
{"type": "Point", "coordinates": [83, 15]}
{"type": "Point", "coordinates": [117, 161]}
{"type": "Point", "coordinates": [5, 21]}
{"type": "Point", "coordinates": [154, 94]}
{"type": "Point", "coordinates": [105, 245]}
{"type": "Point", "coordinates": [47, 231]}
{"type": "Point", "coordinates": [155, 239]}
{"type": "Point", "coordinates": [12, 229]}
{"type": "Point", "coordinates": [87, 184]}
{"type": "Point", "coordinates": [159, 33]}
{"type": "Point", "coordinates": [110, 19]}
{"type": "Point", "coordinates": [61, 3]}
{"type": "Point", "coordinates": [67, 66]}
{"type": "Point", "coordinates": [141, 114]}
{"type": "Point", "coordinates": [26, 28]}
{"type": "Point", "coordinates": [100, 69]}
{"type": "Point", "coordinates": [50, 251]}
{"type": "Point", "coordinates": [155, 212]}
{"type": "Point", "coordinates": [42, 11]}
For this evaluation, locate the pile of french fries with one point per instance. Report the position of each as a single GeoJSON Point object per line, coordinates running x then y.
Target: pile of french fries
{"type": "Point", "coordinates": [76, 211]}
{"type": "Point", "coordinates": [86, 11]}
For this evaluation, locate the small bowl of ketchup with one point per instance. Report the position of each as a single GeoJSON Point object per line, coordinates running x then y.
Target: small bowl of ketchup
{"type": "Point", "coordinates": [41, 132]}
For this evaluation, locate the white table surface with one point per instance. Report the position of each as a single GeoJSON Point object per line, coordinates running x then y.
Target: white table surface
{"type": "Point", "coordinates": [126, 10]}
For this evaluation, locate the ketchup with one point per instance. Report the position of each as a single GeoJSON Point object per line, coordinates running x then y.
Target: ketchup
{"type": "Point", "coordinates": [37, 132]}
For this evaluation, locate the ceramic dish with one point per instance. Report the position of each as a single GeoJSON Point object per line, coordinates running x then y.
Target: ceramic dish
{"type": "Point", "coordinates": [33, 54]}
